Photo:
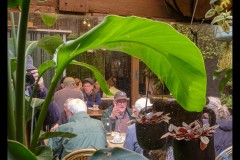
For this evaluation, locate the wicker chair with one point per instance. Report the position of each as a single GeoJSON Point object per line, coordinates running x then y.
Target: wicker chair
{"type": "Point", "coordinates": [81, 154]}
{"type": "Point", "coordinates": [225, 154]}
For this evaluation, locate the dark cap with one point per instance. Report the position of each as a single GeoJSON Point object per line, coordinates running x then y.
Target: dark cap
{"type": "Point", "coordinates": [88, 80]}
{"type": "Point", "coordinates": [120, 95]}
{"type": "Point", "coordinates": [29, 64]}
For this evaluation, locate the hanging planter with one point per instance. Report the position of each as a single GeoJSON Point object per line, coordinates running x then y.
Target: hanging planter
{"type": "Point", "coordinates": [149, 129]}
{"type": "Point", "coordinates": [193, 141]}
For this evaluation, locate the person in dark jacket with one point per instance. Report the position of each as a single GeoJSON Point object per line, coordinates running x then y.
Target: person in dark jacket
{"type": "Point", "coordinates": [119, 113]}
{"type": "Point", "coordinates": [131, 142]}
{"type": "Point", "coordinates": [91, 96]}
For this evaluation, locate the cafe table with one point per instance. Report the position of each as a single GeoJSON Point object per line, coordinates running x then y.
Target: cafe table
{"type": "Point", "coordinates": [111, 143]}
{"type": "Point", "coordinates": [95, 113]}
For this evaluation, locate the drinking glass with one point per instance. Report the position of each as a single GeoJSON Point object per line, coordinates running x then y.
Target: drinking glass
{"type": "Point", "coordinates": [107, 125]}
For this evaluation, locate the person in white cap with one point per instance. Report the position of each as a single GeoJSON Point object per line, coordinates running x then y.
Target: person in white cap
{"type": "Point", "coordinates": [131, 142]}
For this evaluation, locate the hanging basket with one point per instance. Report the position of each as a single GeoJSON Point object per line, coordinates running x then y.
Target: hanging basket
{"type": "Point", "coordinates": [178, 114]}
{"type": "Point", "coordinates": [185, 8]}
{"type": "Point", "coordinates": [148, 136]}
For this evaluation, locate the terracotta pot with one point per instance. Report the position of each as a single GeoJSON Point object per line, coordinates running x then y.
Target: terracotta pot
{"type": "Point", "coordinates": [148, 135]}
{"type": "Point", "coordinates": [190, 150]}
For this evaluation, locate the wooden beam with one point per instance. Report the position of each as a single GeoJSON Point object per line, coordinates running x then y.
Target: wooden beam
{"type": "Point", "coordinates": [143, 8]}
{"type": "Point", "coordinates": [134, 79]}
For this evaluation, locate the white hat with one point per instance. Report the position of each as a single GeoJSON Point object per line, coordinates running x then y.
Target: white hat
{"type": "Point", "coordinates": [140, 104]}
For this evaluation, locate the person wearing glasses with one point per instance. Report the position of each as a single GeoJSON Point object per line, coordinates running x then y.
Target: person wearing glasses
{"type": "Point", "coordinates": [119, 113]}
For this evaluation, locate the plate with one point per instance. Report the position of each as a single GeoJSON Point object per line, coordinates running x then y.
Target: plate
{"type": "Point", "coordinates": [116, 142]}
{"type": "Point", "coordinates": [94, 109]}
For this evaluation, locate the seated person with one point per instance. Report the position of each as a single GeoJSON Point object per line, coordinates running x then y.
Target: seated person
{"type": "Point", "coordinates": [91, 96]}
{"type": "Point", "coordinates": [98, 88]}
{"type": "Point", "coordinates": [78, 83]}
{"type": "Point", "coordinates": [119, 113]}
{"type": "Point", "coordinates": [63, 117]}
{"type": "Point", "coordinates": [111, 84]}
{"type": "Point", "coordinates": [69, 91]}
{"type": "Point", "coordinates": [131, 142]}
{"type": "Point", "coordinates": [90, 132]}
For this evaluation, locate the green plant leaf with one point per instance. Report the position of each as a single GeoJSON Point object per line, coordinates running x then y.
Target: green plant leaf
{"type": "Point", "coordinates": [225, 27]}
{"type": "Point", "coordinates": [18, 151]}
{"type": "Point", "coordinates": [181, 67]}
{"type": "Point", "coordinates": [36, 103]}
{"type": "Point", "coordinates": [45, 66]}
{"type": "Point", "coordinates": [13, 62]}
{"type": "Point", "coordinates": [50, 43]}
{"type": "Point", "coordinates": [97, 74]}
{"type": "Point", "coordinates": [48, 18]}
{"type": "Point", "coordinates": [11, 50]}
{"type": "Point", "coordinates": [48, 135]}
{"type": "Point", "coordinates": [44, 153]}
{"type": "Point", "coordinates": [217, 19]}
{"type": "Point", "coordinates": [31, 47]}
{"type": "Point", "coordinates": [116, 153]}
{"type": "Point", "coordinates": [219, 8]}
{"type": "Point", "coordinates": [210, 13]}
{"type": "Point", "coordinates": [13, 3]}
{"type": "Point", "coordinates": [226, 78]}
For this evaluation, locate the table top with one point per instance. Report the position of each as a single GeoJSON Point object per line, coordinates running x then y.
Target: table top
{"type": "Point", "coordinates": [95, 113]}
{"type": "Point", "coordinates": [110, 138]}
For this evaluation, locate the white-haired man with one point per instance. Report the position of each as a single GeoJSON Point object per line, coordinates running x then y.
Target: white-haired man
{"type": "Point", "coordinates": [90, 132]}
{"type": "Point", "coordinates": [131, 142]}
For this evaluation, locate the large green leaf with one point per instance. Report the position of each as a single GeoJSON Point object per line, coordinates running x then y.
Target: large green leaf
{"type": "Point", "coordinates": [97, 74]}
{"type": "Point", "coordinates": [116, 153]}
{"type": "Point", "coordinates": [227, 76]}
{"type": "Point", "coordinates": [13, 3]}
{"type": "Point", "coordinates": [48, 135]}
{"type": "Point", "coordinates": [170, 55]}
{"type": "Point", "coordinates": [48, 18]}
{"type": "Point", "coordinates": [36, 103]}
{"type": "Point", "coordinates": [18, 151]}
{"type": "Point", "coordinates": [50, 43]}
{"type": "Point", "coordinates": [31, 47]}
{"type": "Point", "coordinates": [44, 153]}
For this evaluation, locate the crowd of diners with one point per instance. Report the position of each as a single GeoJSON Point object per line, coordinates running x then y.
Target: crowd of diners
{"type": "Point", "coordinates": [68, 113]}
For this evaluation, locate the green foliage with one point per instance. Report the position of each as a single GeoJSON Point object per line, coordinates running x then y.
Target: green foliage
{"type": "Point", "coordinates": [226, 99]}
{"type": "Point", "coordinates": [223, 17]}
{"type": "Point", "coordinates": [180, 67]}
{"type": "Point", "coordinates": [49, 18]}
{"type": "Point", "coordinates": [17, 150]}
{"type": "Point", "coordinates": [48, 135]}
{"type": "Point", "coordinates": [50, 43]}
{"type": "Point", "coordinates": [116, 153]}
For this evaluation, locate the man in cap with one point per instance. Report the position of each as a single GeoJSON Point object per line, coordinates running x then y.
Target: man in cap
{"type": "Point", "coordinates": [119, 113]}
{"type": "Point", "coordinates": [91, 96]}
{"type": "Point", "coordinates": [131, 142]}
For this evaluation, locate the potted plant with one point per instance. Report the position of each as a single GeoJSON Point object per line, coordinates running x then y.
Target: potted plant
{"type": "Point", "coordinates": [221, 10]}
{"type": "Point", "coordinates": [149, 128]}
{"type": "Point", "coordinates": [144, 39]}
{"type": "Point", "coordinates": [192, 141]}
